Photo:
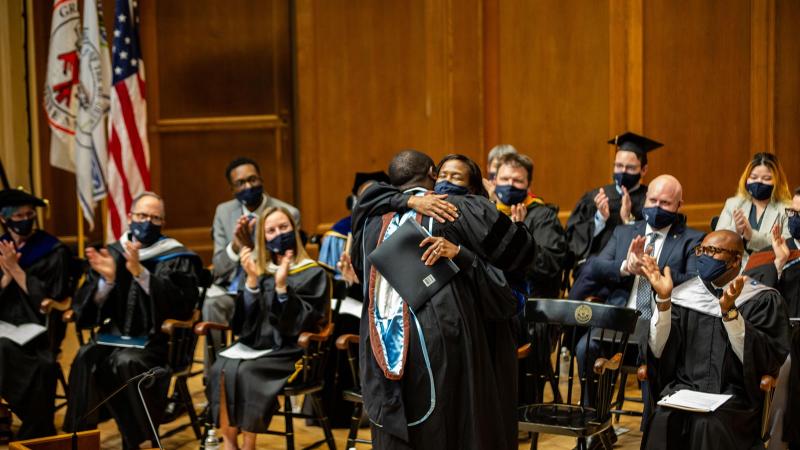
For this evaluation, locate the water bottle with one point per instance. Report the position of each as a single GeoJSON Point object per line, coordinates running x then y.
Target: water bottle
{"type": "Point", "coordinates": [563, 363]}
{"type": "Point", "coordinates": [212, 441]}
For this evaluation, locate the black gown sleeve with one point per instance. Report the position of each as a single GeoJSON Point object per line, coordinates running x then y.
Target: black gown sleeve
{"type": "Point", "coordinates": [550, 245]}
{"type": "Point", "coordinates": [174, 288]}
{"type": "Point", "coordinates": [494, 295]}
{"type": "Point", "coordinates": [580, 229]}
{"type": "Point", "coordinates": [307, 306]}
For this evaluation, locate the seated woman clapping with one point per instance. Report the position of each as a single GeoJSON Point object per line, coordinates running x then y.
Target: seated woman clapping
{"type": "Point", "coordinates": [285, 293]}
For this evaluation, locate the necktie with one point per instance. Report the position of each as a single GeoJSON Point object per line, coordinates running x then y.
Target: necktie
{"type": "Point", "coordinates": [644, 291]}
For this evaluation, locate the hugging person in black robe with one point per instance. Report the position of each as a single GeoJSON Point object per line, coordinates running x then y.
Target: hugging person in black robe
{"type": "Point", "coordinates": [134, 285]}
{"type": "Point", "coordinates": [718, 333]}
{"type": "Point", "coordinates": [457, 385]}
{"type": "Point", "coordinates": [284, 295]}
{"type": "Point", "coordinates": [35, 267]}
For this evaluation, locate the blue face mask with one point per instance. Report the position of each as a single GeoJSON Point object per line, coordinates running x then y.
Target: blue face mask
{"type": "Point", "coordinates": [281, 243]}
{"type": "Point", "coordinates": [510, 195]}
{"type": "Point", "coordinates": [446, 187]}
{"type": "Point", "coordinates": [21, 227]}
{"type": "Point", "coordinates": [659, 218]}
{"type": "Point", "coordinates": [794, 227]}
{"type": "Point", "coordinates": [710, 269]}
{"type": "Point", "coordinates": [251, 196]}
{"type": "Point", "coordinates": [627, 180]}
{"type": "Point", "coordinates": [760, 191]}
{"type": "Point", "coordinates": [145, 232]}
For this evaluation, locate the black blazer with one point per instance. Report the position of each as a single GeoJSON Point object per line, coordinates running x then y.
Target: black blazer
{"type": "Point", "coordinates": [677, 253]}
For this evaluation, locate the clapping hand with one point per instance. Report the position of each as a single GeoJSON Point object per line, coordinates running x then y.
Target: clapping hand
{"type": "Point", "coordinates": [742, 224]}
{"type": "Point", "coordinates": [625, 207]}
{"type": "Point", "coordinates": [780, 247]}
{"type": "Point", "coordinates": [661, 283]}
{"type": "Point", "coordinates": [249, 266]}
{"type": "Point", "coordinates": [132, 258]}
{"type": "Point", "coordinates": [345, 266]}
{"type": "Point", "coordinates": [103, 263]}
{"type": "Point", "coordinates": [518, 212]}
{"type": "Point", "coordinates": [601, 203]}
{"type": "Point", "coordinates": [243, 234]}
{"type": "Point", "coordinates": [633, 262]}
{"type": "Point", "coordinates": [9, 258]}
{"type": "Point", "coordinates": [282, 275]}
{"type": "Point", "coordinates": [729, 296]}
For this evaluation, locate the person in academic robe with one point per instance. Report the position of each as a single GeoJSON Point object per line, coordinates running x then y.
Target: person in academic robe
{"type": "Point", "coordinates": [35, 267]}
{"type": "Point", "coordinates": [762, 195]}
{"type": "Point", "coordinates": [717, 333]}
{"type": "Point", "coordinates": [779, 266]}
{"type": "Point", "coordinates": [285, 294]}
{"type": "Point", "coordinates": [134, 285]}
{"type": "Point", "coordinates": [594, 218]}
{"type": "Point", "coordinates": [514, 199]}
{"type": "Point", "coordinates": [439, 372]}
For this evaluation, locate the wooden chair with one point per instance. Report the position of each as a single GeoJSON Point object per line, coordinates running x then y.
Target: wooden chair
{"type": "Point", "coordinates": [572, 416]}
{"type": "Point", "coordinates": [308, 380]}
{"type": "Point", "coordinates": [348, 343]}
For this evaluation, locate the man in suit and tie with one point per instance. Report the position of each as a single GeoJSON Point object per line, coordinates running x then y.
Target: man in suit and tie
{"type": "Point", "coordinates": [234, 228]}
{"type": "Point", "coordinates": [662, 234]}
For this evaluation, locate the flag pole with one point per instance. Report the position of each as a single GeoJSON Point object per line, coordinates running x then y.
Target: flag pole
{"type": "Point", "coordinates": [81, 237]}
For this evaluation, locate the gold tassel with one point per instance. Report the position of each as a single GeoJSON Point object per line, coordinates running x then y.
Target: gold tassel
{"type": "Point", "coordinates": [298, 367]}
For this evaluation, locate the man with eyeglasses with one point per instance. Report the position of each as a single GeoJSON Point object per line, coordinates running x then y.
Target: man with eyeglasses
{"type": "Point", "coordinates": [133, 286]}
{"type": "Point", "coordinates": [717, 333]}
{"type": "Point", "coordinates": [35, 267]}
{"type": "Point", "coordinates": [596, 215]}
{"type": "Point", "coordinates": [234, 229]}
{"type": "Point", "coordinates": [664, 236]}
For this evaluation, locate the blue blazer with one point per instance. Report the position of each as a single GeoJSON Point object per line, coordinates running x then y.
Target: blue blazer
{"type": "Point", "coordinates": [677, 253]}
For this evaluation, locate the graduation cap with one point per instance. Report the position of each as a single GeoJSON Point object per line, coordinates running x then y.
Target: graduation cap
{"type": "Point", "coordinates": [18, 197]}
{"type": "Point", "coordinates": [635, 143]}
{"type": "Point", "coordinates": [363, 177]}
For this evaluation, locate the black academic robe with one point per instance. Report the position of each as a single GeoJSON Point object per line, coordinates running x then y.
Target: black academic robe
{"type": "Point", "coordinates": [460, 393]}
{"type": "Point", "coordinates": [698, 355]}
{"type": "Point", "coordinates": [544, 274]}
{"type": "Point", "coordinates": [252, 386]}
{"type": "Point", "coordinates": [580, 227]}
{"type": "Point", "coordinates": [128, 310]}
{"type": "Point", "coordinates": [28, 373]}
{"type": "Point", "coordinates": [789, 286]}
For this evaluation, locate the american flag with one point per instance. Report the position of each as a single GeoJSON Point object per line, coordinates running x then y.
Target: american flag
{"type": "Point", "coordinates": [128, 151]}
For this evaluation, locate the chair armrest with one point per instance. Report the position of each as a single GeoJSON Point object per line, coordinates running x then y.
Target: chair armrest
{"type": "Point", "coordinates": [594, 299]}
{"type": "Point", "coordinates": [603, 364]}
{"type": "Point", "coordinates": [641, 372]}
{"type": "Point", "coordinates": [68, 316]}
{"type": "Point", "coordinates": [346, 340]}
{"type": "Point", "coordinates": [169, 325]}
{"type": "Point", "coordinates": [524, 351]}
{"type": "Point", "coordinates": [202, 328]}
{"type": "Point", "coordinates": [49, 304]}
{"type": "Point", "coordinates": [768, 383]}
{"type": "Point", "coordinates": [306, 337]}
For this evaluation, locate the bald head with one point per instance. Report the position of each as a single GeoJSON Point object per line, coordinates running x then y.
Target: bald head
{"type": "Point", "coordinates": [665, 191]}
{"type": "Point", "coordinates": [725, 239]}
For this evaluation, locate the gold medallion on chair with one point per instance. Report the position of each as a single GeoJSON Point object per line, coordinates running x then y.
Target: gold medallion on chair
{"type": "Point", "coordinates": [583, 314]}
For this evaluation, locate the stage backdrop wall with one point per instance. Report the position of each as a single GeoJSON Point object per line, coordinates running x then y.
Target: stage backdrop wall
{"type": "Point", "coordinates": [317, 89]}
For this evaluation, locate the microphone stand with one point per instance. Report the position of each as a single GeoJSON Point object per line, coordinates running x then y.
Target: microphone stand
{"type": "Point", "coordinates": [142, 376]}
{"type": "Point", "coordinates": [155, 373]}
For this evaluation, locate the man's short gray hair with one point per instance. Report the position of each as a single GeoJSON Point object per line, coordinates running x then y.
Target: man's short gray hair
{"type": "Point", "coordinates": [149, 194]}
{"type": "Point", "coordinates": [500, 151]}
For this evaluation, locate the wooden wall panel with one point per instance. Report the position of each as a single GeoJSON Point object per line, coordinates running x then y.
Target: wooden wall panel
{"type": "Point", "coordinates": [787, 88]}
{"type": "Point", "coordinates": [697, 94]}
{"type": "Point", "coordinates": [377, 77]}
{"type": "Point", "coordinates": [554, 93]}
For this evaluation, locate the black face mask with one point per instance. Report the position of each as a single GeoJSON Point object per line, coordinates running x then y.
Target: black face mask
{"type": "Point", "coordinates": [760, 191]}
{"type": "Point", "coordinates": [794, 227]}
{"type": "Point", "coordinates": [446, 187]}
{"type": "Point", "coordinates": [145, 232]}
{"type": "Point", "coordinates": [22, 227]}
{"type": "Point", "coordinates": [510, 195]}
{"type": "Point", "coordinates": [627, 180]}
{"type": "Point", "coordinates": [251, 197]}
{"type": "Point", "coordinates": [282, 243]}
{"type": "Point", "coordinates": [659, 218]}
{"type": "Point", "coordinates": [710, 269]}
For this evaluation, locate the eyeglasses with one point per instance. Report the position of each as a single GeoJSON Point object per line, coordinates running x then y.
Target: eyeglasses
{"type": "Point", "coordinates": [711, 251]}
{"type": "Point", "coordinates": [791, 212]}
{"type": "Point", "coordinates": [141, 217]}
{"type": "Point", "coordinates": [23, 216]}
{"type": "Point", "coordinates": [252, 180]}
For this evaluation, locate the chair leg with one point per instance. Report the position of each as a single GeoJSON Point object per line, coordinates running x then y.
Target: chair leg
{"type": "Point", "coordinates": [534, 441]}
{"type": "Point", "coordinates": [186, 397]}
{"type": "Point", "coordinates": [355, 421]}
{"type": "Point", "coordinates": [316, 404]}
{"type": "Point", "coordinates": [287, 408]}
{"type": "Point", "coordinates": [581, 443]}
{"type": "Point", "coordinates": [605, 440]}
{"type": "Point", "coordinates": [623, 380]}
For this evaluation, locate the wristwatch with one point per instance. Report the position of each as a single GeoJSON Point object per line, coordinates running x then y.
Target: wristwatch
{"type": "Point", "coordinates": [732, 314]}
